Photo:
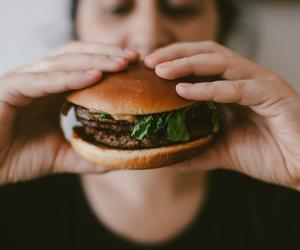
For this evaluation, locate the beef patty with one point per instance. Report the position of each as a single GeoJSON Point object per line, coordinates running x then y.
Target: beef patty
{"type": "Point", "coordinates": [117, 133]}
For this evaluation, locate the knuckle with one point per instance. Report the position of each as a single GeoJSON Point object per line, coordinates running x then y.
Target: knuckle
{"type": "Point", "coordinates": [212, 89]}
{"type": "Point", "coordinates": [65, 78]}
{"type": "Point", "coordinates": [238, 89]}
{"type": "Point", "coordinates": [190, 61]}
{"type": "Point", "coordinates": [274, 79]}
{"type": "Point", "coordinates": [213, 85]}
{"type": "Point", "coordinates": [221, 58]}
{"type": "Point", "coordinates": [238, 85]}
{"type": "Point", "coordinates": [98, 60]}
{"type": "Point", "coordinates": [42, 78]}
{"type": "Point", "coordinates": [279, 85]}
{"type": "Point", "coordinates": [91, 57]}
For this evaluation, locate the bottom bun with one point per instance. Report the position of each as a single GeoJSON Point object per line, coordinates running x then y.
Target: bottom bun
{"type": "Point", "coordinates": [113, 158]}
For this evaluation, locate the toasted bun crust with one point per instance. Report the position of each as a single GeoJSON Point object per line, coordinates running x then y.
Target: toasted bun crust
{"type": "Point", "coordinates": [112, 158]}
{"type": "Point", "coordinates": [136, 91]}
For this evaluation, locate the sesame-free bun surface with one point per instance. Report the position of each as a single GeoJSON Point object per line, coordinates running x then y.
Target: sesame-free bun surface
{"type": "Point", "coordinates": [113, 158]}
{"type": "Point", "coordinates": [135, 91]}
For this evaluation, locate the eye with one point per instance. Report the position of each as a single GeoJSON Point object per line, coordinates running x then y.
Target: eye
{"type": "Point", "coordinates": [121, 9]}
{"type": "Point", "coordinates": [180, 12]}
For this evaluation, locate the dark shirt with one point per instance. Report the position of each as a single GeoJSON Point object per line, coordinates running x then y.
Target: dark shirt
{"type": "Point", "coordinates": [239, 213]}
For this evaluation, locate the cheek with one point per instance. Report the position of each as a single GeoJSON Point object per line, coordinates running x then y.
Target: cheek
{"type": "Point", "coordinates": [91, 28]}
{"type": "Point", "coordinates": [97, 32]}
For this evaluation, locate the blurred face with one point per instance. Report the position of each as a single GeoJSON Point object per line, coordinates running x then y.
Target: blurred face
{"type": "Point", "coordinates": [144, 25]}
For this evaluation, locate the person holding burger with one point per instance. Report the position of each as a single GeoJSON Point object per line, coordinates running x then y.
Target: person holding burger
{"type": "Point", "coordinates": [253, 203]}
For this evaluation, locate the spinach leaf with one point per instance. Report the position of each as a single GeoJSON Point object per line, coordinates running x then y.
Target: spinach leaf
{"type": "Point", "coordinates": [215, 121]}
{"type": "Point", "coordinates": [142, 127]}
{"type": "Point", "coordinates": [161, 121]}
{"type": "Point", "coordinates": [177, 131]}
{"type": "Point", "coordinates": [104, 115]}
{"type": "Point", "coordinates": [211, 105]}
{"type": "Point", "coordinates": [174, 122]}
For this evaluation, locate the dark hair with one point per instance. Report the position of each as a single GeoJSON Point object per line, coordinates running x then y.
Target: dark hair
{"type": "Point", "coordinates": [226, 8]}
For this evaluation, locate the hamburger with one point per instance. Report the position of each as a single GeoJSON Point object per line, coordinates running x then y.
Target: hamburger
{"type": "Point", "coordinates": [136, 120]}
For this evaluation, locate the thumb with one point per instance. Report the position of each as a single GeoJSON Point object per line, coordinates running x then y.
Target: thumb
{"type": "Point", "coordinates": [68, 161]}
{"type": "Point", "coordinates": [214, 157]}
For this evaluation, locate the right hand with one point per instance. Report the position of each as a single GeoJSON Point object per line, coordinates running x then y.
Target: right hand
{"type": "Point", "coordinates": [32, 143]}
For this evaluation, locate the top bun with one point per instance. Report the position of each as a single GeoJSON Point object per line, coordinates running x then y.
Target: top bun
{"type": "Point", "coordinates": [136, 91]}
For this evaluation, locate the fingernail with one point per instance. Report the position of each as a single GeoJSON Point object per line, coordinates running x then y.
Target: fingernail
{"type": "Point", "coordinates": [150, 57]}
{"type": "Point", "coordinates": [184, 85]}
{"type": "Point", "coordinates": [150, 60]}
{"type": "Point", "coordinates": [118, 59]}
{"type": "Point", "coordinates": [180, 87]}
{"type": "Point", "coordinates": [163, 65]}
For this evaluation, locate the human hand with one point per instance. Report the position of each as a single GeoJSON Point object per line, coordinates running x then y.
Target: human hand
{"type": "Point", "coordinates": [32, 143]}
{"type": "Point", "coordinates": [263, 140]}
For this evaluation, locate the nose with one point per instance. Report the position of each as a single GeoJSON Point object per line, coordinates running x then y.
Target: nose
{"type": "Point", "coordinates": [148, 32]}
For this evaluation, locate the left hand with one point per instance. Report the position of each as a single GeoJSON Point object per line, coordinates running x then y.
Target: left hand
{"type": "Point", "coordinates": [31, 140]}
{"type": "Point", "coordinates": [264, 139]}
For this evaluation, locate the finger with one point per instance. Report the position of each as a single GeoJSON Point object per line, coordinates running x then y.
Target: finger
{"type": "Point", "coordinates": [213, 158]}
{"type": "Point", "coordinates": [96, 48]}
{"type": "Point", "coordinates": [68, 161]}
{"type": "Point", "coordinates": [252, 93]}
{"type": "Point", "coordinates": [77, 62]}
{"type": "Point", "coordinates": [179, 50]}
{"type": "Point", "coordinates": [231, 68]}
{"type": "Point", "coordinates": [19, 90]}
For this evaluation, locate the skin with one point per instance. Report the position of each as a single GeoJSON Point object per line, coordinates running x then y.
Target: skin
{"type": "Point", "coordinates": [262, 139]}
{"type": "Point", "coordinates": [145, 26]}
{"type": "Point", "coordinates": [32, 143]}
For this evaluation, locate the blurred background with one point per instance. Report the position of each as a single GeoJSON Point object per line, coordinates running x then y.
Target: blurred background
{"type": "Point", "coordinates": [268, 32]}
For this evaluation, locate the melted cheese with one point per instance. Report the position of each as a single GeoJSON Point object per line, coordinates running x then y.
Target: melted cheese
{"type": "Point", "coordinates": [130, 118]}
